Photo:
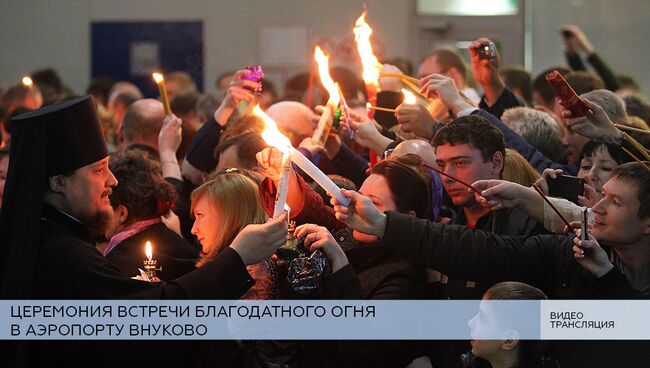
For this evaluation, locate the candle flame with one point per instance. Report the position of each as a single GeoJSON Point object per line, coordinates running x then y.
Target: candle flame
{"type": "Point", "coordinates": [371, 66]}
{"type": "Point", "coordinates": [271, 134]}
{"type": "Point", "coordinates": [148, 251]}
{"type": "Point", "coordinates": [324, 70]}
{"type": "Point", "coordinates": [158, 77]}
{"type": "Point", "coordinates": [27, 81]}
{"type": "Point", "coordinates": [409, 97]}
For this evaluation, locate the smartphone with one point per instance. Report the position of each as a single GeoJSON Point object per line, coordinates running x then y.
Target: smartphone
{"type": "Point", "coordinates": [567, 187]}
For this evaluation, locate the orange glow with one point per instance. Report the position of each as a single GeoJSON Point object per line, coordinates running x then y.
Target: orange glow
{"type": "Point", "coordinates": [158, 77]}
{"type": "Point", "coordinates": [325, 78]}
{"type": "Point", "coordinates": [409, 97]}
{"type": "Point", "coordinates": [271, 133]}
{"type": "Point", "coordinates": [27, 81]}
{"type": "Point", "coordinates": [371, 66]}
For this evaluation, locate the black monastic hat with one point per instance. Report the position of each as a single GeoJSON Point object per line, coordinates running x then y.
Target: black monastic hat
{"type": "Point", "coordinates": [74, 134]}
{"type": "Point", "coordinates": [56, 139]}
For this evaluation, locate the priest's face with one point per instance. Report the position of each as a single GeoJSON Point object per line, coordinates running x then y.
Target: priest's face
{"type": "Point", "coordinates": [87, 192]}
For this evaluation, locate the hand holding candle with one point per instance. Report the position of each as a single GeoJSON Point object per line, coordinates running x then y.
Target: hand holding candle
{"type": "Point", "coordinates": [273, 137]}
{"type": "Point", "coordinates": [160, 81]}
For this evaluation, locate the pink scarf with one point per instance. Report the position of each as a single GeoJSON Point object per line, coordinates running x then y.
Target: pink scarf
{"type": "Point", "coordinates": [130, 230]}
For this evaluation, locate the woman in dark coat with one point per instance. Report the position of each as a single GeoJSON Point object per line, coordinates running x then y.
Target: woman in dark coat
{"type": "Point", "coordinates": [360, 268]}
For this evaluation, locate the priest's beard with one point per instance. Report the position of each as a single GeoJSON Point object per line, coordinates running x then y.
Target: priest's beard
{"type": "Point", "coordinates": [98, 223]}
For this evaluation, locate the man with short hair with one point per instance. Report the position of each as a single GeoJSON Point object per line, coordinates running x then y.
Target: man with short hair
{"type": "Point", "coordinates": [538, 128]}
{"type": "Point", "coordinates": [141, 125]}
{"type": "Point", "coordinates": [470, 149]}
{"type": "Point", "coordinates": [295, 120]}
{"type": "Point", "coordinates": [120, 97]}
{"type": "Point", "coordinates": [518, 80]}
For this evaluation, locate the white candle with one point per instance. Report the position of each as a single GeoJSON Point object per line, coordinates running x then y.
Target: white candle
{"type": "Point", "coordinates": [281, 196]}
{"type": "Point", "coordinates": [324, 125]}
{"type": "Point", "coordinates": [314, 172]}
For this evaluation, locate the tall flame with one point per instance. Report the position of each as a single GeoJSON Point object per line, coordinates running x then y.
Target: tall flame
{"type": "Point", "coordinates": [158, 77]}
{"type": "Point", "coordinates": [371, 66]}
{"type": "Point", "coordinates": [409, 97]}
{"type": "Point", "coordinates": [325, 78]}
{"type": "Point", "coordinates": [271, 133]}
{"type": "Point", "coordinates": [148, 251]}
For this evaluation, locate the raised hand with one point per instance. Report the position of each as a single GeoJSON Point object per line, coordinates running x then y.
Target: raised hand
{"type": "Point", "coordinates": [390, 83]}
{"type": "Point", "coordinates": [270, 161]}
{"type": "Point", "coordinates": [589, 254]}
{"type": "Point", "coordinates": [361, 214]}
{"type": "Point", "coordinates": [595, 124]}
{"type": "Point", "coordinates": [238, 91]}
{"type": "Point", "coordinates": [577, 39]}
{"type": "Point", "coordinates": [438, 85]}
{"type": "Point", "coordinates": [498, 194]}
{"type": "Point", "coordinates": [170, 135]}
{"type": "Point", "coordinates": [591, 196]}
{"type": "Point", "coordinates": [256, 243]}
{"type": "Point", "coordinates": [486, 72]}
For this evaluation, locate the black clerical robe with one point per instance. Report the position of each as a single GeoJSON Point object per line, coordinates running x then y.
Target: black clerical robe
{"type": "Point", "coordinates": [69, 267]}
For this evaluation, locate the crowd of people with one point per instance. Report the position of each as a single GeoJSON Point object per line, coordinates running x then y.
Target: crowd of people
{"type": "Point", "coordinates": [459, 205]}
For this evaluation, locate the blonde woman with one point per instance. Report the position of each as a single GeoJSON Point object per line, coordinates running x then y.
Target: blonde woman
{"type": "Point", "coordinates": [222, 207]}
{"type": "Point", "coordinates": [518, 170]}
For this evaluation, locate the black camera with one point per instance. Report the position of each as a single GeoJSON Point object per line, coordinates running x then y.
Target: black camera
{"type": "Point", "coordinates": [487, 51]}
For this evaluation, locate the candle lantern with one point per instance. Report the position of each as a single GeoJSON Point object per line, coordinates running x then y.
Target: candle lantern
{"type": "Point", "coordinates": [150, 264]}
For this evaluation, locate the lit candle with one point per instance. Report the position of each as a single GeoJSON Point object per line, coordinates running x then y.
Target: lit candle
{"type": "Point", "coordinates": [273, 137]}
{"type": "Point", "coordinates": [371, 66]}
{"type": "Point", "coordinates": [327, 119]}
{"type": "Point", "coordinates": [148, 251]}
{"type": "Point", "coordinates": [281, 197]}
{"type": "Point", "coordinates": [27, 82]}
{"type": "Point", "coordinates": [288, 210]}
{"type": "Point", "coordinates": [160, 81]}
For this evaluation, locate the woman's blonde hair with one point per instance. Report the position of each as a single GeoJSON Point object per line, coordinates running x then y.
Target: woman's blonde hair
{"type": "Point", "coordinates": [237, 199]}
{"type": "Point", "coordinates": [518, 170]}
